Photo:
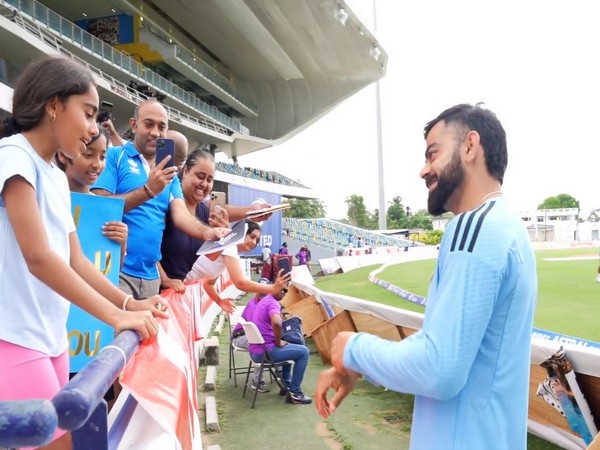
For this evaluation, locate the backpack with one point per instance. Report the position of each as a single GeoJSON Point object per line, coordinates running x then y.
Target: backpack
{"type": "Point", "coordinates": [291, 330]}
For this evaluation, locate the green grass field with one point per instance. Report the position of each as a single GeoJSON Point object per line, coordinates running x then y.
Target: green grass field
{"type": "Point", "coordinates": [568, 295]}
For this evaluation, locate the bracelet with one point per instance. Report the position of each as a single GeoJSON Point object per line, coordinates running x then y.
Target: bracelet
{"type": "Point", "coordinates": [149, 191]}
{"type": "Point", "coordinates": [126, 300]}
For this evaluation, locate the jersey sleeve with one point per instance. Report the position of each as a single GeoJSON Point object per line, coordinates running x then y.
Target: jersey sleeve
{"type": "Point", "coordinates": [435, 362]}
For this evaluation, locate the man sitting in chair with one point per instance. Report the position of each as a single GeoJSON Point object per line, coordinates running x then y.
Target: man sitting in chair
{"type": "Point", "coordinates": [239, 339]}
{"type": "Point", "coordinates": [267, 317]}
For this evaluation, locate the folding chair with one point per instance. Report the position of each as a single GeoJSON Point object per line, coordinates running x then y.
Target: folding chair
{"type": "Point", "coordinates": [233, 349]}
{"type": "Point", "coordinates": [255, 337]}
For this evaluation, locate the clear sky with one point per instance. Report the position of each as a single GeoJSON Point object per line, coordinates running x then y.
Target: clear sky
{"type": "Point", "coordinates": [534, 63]}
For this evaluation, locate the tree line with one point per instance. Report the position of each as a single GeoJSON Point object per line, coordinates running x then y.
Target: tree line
{"type": "Point", "coordinates": [398, 216]}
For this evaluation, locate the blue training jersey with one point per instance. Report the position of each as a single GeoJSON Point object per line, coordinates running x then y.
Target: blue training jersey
{"type": "Point", "coordinates": [469, 365]}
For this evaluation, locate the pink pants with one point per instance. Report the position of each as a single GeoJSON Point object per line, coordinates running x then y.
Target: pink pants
{"type": "Point", "coordinates": [29, 374]}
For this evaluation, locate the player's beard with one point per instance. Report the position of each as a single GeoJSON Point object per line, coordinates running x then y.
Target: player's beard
{"type": "Point", "coordinates": [448, 181]}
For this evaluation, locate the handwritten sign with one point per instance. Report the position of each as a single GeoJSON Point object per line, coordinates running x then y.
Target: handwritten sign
{"type": "Point", "coordinates": [87, 335]}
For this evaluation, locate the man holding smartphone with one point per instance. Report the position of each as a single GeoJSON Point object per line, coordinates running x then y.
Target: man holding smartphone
{"type": "Point", "coordinates": [151, 190]}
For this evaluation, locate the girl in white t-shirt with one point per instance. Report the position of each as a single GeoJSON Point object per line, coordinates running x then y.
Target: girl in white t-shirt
{"type": "Point", "coordinates": [42, 267]}
{"type": "Point", "coordinates": [211, 265]}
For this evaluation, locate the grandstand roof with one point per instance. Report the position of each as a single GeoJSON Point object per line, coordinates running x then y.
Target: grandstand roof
{"type": "Point", "coordinates": [262, 70]}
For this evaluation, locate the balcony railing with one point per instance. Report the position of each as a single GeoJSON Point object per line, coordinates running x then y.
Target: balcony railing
{"type": "Point", "coordinates": [205, 70]}
{"type": "Point", "coordinates": [117, 86]}
{"type": "Point", "coordinates": [95, 46]}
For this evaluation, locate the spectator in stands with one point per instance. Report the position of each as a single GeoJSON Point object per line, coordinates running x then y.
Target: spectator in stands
{"type": "Point", "coordinates": [211, 265]}
{"type": "Point", "coordinates": [181, 148]}
{"type": "Point", "coordinates": [178, 250]}
{"type": "Point", "coordinates": [284, 249]}
{"type": "Point", "coordinates": [359, 242]}
{"type": "Point", "coordinates": [114, 139]}
{"type": "Point", "coordinates": [267, 317]}
{"type": "Point", "coordinates": [54, 106]}
{"type": "Point", "coordinates": [239, 339]}
{"type": "Point", "coordinates": [469, 365]}
{"type": "Point", "coordinates": [150, 191]}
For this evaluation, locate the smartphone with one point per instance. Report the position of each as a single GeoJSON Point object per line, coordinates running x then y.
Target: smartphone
{"type": "Point", "coordinates": [164, 147]}
{"type": "Point", "coordinates": [217, 199]}
{"type": "Point", "coordinates": [283, 263]}
{"type": "Point", "coordinates": [105, 112]}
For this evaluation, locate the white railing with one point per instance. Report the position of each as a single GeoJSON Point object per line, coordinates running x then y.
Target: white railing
{"type": "Point", "coordinates": [116, 86]}
{"type": "Point", "coordinates": [54, 23]}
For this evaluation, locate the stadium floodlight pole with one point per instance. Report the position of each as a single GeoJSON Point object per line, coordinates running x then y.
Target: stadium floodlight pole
{"type": "Point", "coordinates": [382, 211]}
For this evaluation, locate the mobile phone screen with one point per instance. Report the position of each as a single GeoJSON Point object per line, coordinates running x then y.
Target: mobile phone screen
{"type": "Point", "coordinates": [165, 147]}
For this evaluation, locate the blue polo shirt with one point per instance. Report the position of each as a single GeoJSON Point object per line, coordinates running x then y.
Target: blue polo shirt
{"type": "Point", "coordinates": [126, 171]}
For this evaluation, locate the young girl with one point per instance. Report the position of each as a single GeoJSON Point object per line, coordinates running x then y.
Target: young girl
{"type": "Point", "coordinates": [84, 171]}
{"type": "Point", "coordinates": [42, 267]}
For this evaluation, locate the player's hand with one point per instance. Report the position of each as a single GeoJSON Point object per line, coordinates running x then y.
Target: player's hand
{"type": "Point", "coordinates": [342, 382]}
{"type": "Point", "coordinates": [338, 345]}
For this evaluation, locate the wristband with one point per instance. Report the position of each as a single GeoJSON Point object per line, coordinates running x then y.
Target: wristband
{"type": "Point", "coordinates": [149, 191]}
{"type": "Point", "coordinates": [126, 300]}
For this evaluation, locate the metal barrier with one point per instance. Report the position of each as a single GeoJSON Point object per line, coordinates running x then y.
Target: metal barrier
{"type": "Point", "coordinates": [25, 423]}
{"type": "Point", "coordinates": [78, 407]}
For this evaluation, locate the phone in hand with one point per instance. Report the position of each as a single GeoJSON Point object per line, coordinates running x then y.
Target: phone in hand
{"type": "Point", "coordinates": [105, 112]}
{"type": "Point", "coordinates": [283, 263]}
{"type": "Point", "coordinates": [165, 147]}
{"type": "Point", "coordinates": [217, 199]}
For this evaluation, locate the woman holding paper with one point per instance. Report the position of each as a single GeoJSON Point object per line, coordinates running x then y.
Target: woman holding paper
{"type": "Point", "coordinates": [210, 265]}
{"type": "Point", "coordinates": [178, 249]}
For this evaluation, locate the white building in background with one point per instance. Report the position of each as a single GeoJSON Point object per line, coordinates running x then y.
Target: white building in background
{"type": "Point", "coordinates": [560, 225]}
{"type": "Point", "coordinates": [441, 222]}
